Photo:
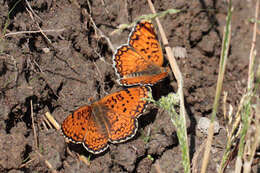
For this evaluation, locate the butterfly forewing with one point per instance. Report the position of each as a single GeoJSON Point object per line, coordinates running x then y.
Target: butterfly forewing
{"type": "Point", "coordinates": [144, 40]}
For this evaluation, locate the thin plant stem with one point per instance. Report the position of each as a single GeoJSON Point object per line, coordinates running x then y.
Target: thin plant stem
{"type": "Point", "coordinates": [30, 32]}
{"type": "Point", "coordinates": [222, 65]}
{"type": "Point", "coordinates": [251, 57]}
{"type": "Point", "coordinates": [247, 110]}
{"type": "Point", "coordinates": [180, 120]}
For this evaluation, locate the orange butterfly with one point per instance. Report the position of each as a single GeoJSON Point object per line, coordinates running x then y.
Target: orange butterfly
{"type": "Point", "coordinates": [111, 119]}
{"type": "Point", "coordinates": [140, 61]}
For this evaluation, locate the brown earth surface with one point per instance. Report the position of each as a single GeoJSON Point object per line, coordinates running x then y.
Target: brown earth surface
{"type": "Point", "coordinates": [75, 68]}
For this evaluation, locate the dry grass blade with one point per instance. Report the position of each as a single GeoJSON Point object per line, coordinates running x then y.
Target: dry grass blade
{"type": "Point", "coordinates": [177, 73]}
{"type": "Point", "coordinates": [26, 164]}
{"type": "Point", "coordinates": [32, 32]}
{"type": "Point", "coordinates": [32, 13]}
{"type": "Point", "coordinates": [196, 158]}
{"type": "Point", "coordinates": [98, 31]}
{"type": "Point", "coordinates": [173, 62]}
{"type": "Point", "coordinates": [232, 135]}
{"type": "Point", "coordinates": [251, 60]}
{"type": "Point", "coordinates": [253, 131]}
{"type": "Point", "coordinates": [253, 144]}
{"type": "Point", "coordinates": [52, 120]}
{"type": "Point", "coordinates": [84, 160]}
{"type": "Point", "coordinates": [34, 130]}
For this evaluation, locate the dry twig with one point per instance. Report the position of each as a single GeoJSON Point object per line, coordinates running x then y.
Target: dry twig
{"type": "Point", "coordinates": [52, 120]}
{"type": "Point", "coordinates": [46, 121]}
{"type": "Point", "coordinates": [32, 32]}
{"type": "Point", "coordinates": [31, 12]}
{"type": "Point", "coordinates": [98, 31]}
{"type": "Point", "coordinates": [174, 66]}
{"type": "Point", "coordinates": [195, 159]}
{"type": "Point", "coordinates": [251, 60]}
{"type": "Point", "coordinates": [33, 126]}
{"type": "Point", "coordinates": [84, 160]}
{"type": "Point", "coordinates": [172, 61]}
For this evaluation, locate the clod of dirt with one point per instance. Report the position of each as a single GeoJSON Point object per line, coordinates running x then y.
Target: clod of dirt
{"type": "Point", "coordinates": [199, 26]}
{"type": "Point", "coordinates": [124, 156]}
{"type": "Point", "coordinates": [139, 146]}
{"type": "Point", "coordinates": [163, 125]}
{"type": "Point", "coordinates": [100, 164]}
{"type": "Point", "coordinates": [12, 147]}
{"type": "Point", "coordinates": [8, 72]}
{"type": "Point", "coordinates": [169, 162]}
{"type": "Point", "coordinates": [15, 171]}
{"type": "Point", "coordinates": [50, 150]}
{"type": "Point", "coordinates": [3, 67]}
{"type": "Point", "coordinates": [75, 166]}
{"type": "Point", "coordinates": [209, 44]}
{"type": "Point", "coordinates": [23, 91]}
{"type": "Point", "coordinates": [3, 113]}
{"type": "Point", "coordinates": [19, 128]}
{"type": "Point", "coordinates": [158, 144]}
{"type": "Point", "coordinates": [144, 165]}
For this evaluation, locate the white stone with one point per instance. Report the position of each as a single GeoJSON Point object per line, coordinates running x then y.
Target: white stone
{"type": "Point", "coordinates": [46, 50]}
{"type": "Point", "coordinates": [204, 124]}
{"type": "Point", "coordinates": [179, 52]}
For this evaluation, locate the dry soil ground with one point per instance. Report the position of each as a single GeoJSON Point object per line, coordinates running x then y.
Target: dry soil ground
{"type": "Point", "coordinates": [75, 69]}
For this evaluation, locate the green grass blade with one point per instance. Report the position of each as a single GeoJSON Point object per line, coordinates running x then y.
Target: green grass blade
{"type": "Point", "coordinates": [222, 66]}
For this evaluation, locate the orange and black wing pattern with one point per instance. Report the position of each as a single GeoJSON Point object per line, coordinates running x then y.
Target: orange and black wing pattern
{"type": "Point", "coordinates": [111, 119]}
{"type": "Point", "coordinates": [132, 61]}
{"type": "Point", "coordinates": [80, 127]}
{"type": "Point", "coordinates": [125, 107]}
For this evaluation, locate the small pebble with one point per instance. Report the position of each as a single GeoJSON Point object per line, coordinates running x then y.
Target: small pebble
{"type": "Point", "coordinates": [204, 124]}
{"type": "Point", "coordinates": [179, 52]}
{"type": "Point", "coordinates": [46, 50]}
